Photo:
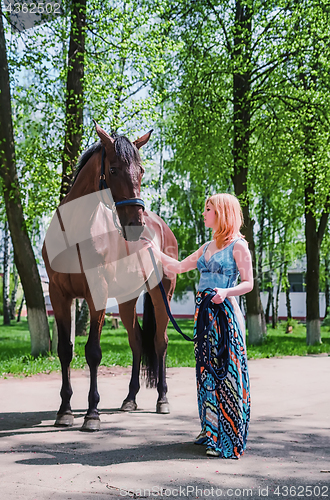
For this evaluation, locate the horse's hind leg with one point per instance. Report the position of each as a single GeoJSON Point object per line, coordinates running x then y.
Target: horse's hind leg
{"type": "Point", "coordinates": [128, 316]}
{"type": "Point", "coordinates": [62, 313]}
{"type": "Point", "coordinates": [93, 357]}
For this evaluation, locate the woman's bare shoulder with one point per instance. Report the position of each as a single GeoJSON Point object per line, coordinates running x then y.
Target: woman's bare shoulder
{"type": "Point", "coordinates": [241, 245]}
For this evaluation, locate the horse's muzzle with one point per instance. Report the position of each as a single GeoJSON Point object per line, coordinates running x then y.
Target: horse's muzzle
{"type": "Point", "coordinates": [132, 232]}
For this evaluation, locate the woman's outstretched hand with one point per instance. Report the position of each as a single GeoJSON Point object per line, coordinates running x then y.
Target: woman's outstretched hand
{"type": "Point", "coordinates": [146, 243]}
{"type": "Point", "coordinates": [221, 294]}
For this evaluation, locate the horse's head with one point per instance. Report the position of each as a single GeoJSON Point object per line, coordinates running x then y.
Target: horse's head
{"type": "Point", "coordinates": [123, 172]}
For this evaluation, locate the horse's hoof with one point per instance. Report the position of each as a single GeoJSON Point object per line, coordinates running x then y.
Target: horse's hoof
{"type": "Point", "coordinates": [128, 406]}
{"type": "Point", "coordinates": [64, 420]}
{"type": "Point", "coordinates": [162, 407]}
{"type": "Point", "coordinates": [91, 424]}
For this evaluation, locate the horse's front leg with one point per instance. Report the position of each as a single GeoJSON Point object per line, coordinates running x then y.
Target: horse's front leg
{"type": "Point", "coordinates": [62, 313]}
{"type": "Point", "coordinates": [93, 357]}
{"type": "Point", "coordinates": [161, 342]}
{"type": "Point", "coordinates": [128, 316]}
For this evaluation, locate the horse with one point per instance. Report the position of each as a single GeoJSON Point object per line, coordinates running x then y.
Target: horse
{"type": "Point", "coordinates": [93, 249]}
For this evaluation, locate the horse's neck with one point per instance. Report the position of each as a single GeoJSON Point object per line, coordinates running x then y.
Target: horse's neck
{"type": "Point", "coordinates": [87, 181]}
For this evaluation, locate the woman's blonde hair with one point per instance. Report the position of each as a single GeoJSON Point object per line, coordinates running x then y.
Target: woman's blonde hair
{"type": "Point", "coordinates": [229, 217]}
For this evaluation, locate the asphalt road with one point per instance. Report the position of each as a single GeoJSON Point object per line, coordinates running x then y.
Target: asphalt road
{"type": "Point", "coordinates": [146, 455]}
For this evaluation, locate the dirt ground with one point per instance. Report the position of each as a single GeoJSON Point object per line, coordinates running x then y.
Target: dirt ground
{"type": "Point", "coordinates": [146, 455]}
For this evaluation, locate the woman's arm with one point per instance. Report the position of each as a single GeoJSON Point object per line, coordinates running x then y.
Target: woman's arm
{"type": "Point", "coordinates": [243, 261]}
{"type": "Point", "coordinates": [175, 266]}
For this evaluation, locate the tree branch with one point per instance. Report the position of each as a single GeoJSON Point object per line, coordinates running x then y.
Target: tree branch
{"type": "Point", "coordinates": [267, 27]}
{"type": "Point", "coordinates": [222, 24]}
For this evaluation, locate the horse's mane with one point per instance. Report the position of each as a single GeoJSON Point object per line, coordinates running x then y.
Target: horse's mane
{"type": "Point", "coordinates": [86, 155]}
{"type": "Point", "coordinates": [125, 151]}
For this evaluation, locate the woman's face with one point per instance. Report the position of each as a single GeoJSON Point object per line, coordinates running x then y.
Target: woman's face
{"type": "Point", "coordinates": [210, 216]}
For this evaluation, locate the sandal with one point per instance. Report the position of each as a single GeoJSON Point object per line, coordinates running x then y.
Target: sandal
{"type": "Point", "coordinates": [211, 452]}
{"type": "Point", "coordinates": [201, 438]}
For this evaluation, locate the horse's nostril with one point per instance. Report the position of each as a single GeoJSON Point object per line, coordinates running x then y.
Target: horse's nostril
{"type": "Point", "coordinates": [139, 224]}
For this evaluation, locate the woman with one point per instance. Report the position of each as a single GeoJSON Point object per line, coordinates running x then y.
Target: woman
{"type": "Point", "coordinates": [223, 400]}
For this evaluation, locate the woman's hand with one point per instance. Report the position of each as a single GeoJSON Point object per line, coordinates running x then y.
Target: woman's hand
{"type": "Point", "coordinates": [173, 266]}
{"type": "Point", "coordinates": [151, 244]}
{"type": "Point", "coordinates": [146, 243]}
{"type": "Point", "coordinates": [221, 294]}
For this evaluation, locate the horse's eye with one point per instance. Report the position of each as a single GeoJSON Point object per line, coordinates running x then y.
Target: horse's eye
{"type": "Point", "coordinates": [113, 171]}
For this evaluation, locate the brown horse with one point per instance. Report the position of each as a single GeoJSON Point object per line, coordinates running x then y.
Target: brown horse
{"type": "Point", "coordinates": [93, 250]}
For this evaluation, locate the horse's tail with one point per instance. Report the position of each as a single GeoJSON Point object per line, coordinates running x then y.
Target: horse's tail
{"type": "Point", "coordinates": [149, 357]}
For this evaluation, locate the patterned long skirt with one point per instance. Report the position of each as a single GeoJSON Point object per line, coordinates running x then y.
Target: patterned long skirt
{"type": "Point", "coordinates": [224, 407]}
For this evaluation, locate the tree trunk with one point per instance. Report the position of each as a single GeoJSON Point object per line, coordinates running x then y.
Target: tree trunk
{"type": "Point", "coordinates": [287, 293]}
{"type": "Point", "coordinates": [19, 312]}
{"type": "Point", "coordinates": [261, 242]}
{"type": "Point", "coordinates": [13, 294]}
{"type": "Point", "coordinates": [327, 284]}
{"type": "Point", "coordinates": [160, 179]}
{"type": "Point", "coordinates": [278, 291]}
{"type": "Point", "coordinates": [82, 318]}
{"type": "Point", "coordinates": [313, 325]}
{"type": "Point", "coordinates": [23, 252]}
{"type": "Point", "coordinates": [269, 302]}
{"type": "Point", "coordinates": [74, 94]}
{"type": "Point", "coordinates": [54, 344]}
{"type": "Point", "coordinates": [288, 303]}
{"type": "Point", "coordinates": [6, 275]}
{"type": "Point", "coordinates": [274, 318]}
{"type": "Point", "coordinates": [74, 120]}
{"type": "Point", "coordinates": [256, 324]}
{"type": "Point", "coordinates": [314, 236]}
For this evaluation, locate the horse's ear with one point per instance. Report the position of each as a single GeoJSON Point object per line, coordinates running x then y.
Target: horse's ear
{"type": "Point", "coordinates": [142, 140]}
{"type": "Point", "coordinates": [103, 135]}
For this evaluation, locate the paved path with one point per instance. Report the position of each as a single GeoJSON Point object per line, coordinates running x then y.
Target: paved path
{"type": "Point", "coordinates": [143, 454]}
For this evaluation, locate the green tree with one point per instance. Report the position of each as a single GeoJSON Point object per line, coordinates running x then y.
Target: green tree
{"type": "Point", "coordinates": [237, 65]}
{"type": "Point", "coordinates": [24, 256]}
{"type": "Point", "coordinates": [223, 64]}
{"type": "Point", "coordinates": [307, 101]}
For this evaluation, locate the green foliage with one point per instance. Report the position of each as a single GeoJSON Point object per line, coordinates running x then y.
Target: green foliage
{"type": "Point", "coordinates": [283, 66]}
{"type": "Point", "coordinates": [118, 66]}
{"type": "Point", "coordinates": [15, 355]}
{"type": "Point", "coordinates": [124, 53]}
{"type": "Point", "coordinates": [292, 323]}
{"type": "Point", "coordinates": [326, 322]}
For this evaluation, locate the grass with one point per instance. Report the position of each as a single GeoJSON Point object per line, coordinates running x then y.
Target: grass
{"type": "Point", "coordinates": [15, 357]}
{"type": "Point", "coordinates": [278, 343]}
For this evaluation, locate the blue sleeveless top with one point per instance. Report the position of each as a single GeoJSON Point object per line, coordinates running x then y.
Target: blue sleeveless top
{"type": "Point", "coordinates": [220, 271]}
